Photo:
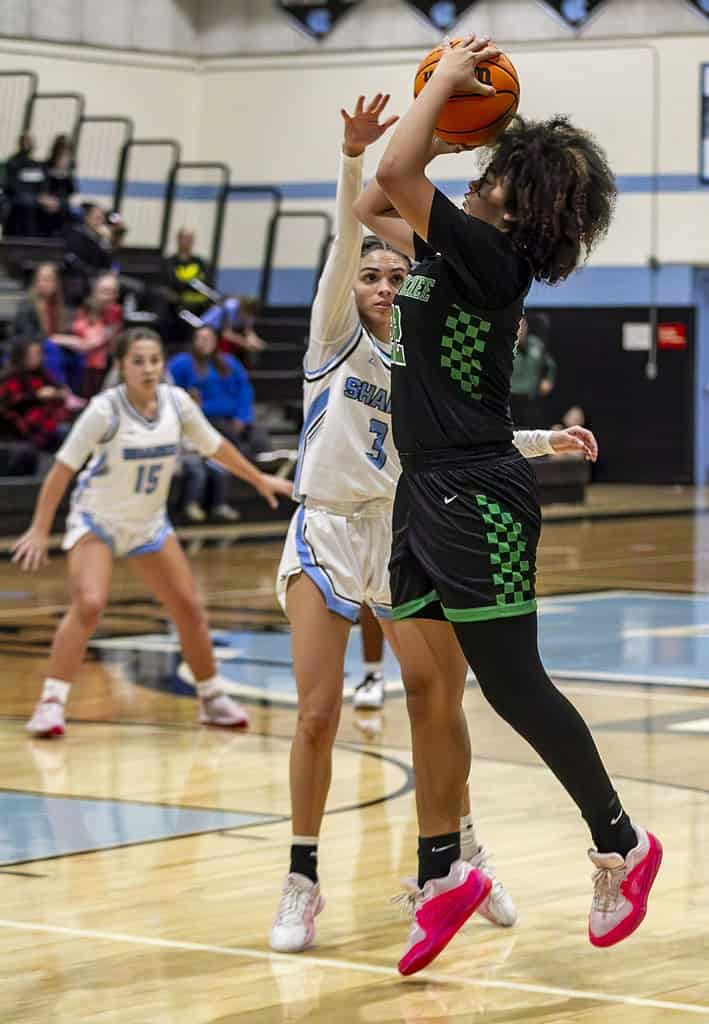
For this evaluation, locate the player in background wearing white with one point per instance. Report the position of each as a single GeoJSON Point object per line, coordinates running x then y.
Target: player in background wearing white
{"type": "Point", "coordinates": [132, 433]}
{"type": "Point", "coordinates": [337, 551]}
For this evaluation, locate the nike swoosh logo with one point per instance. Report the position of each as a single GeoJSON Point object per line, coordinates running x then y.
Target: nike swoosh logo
{"type": "Point", "coordinates": [614, 821]}
{"type": "Point", "coordinates": [440, 849]}
{"type": "Point", "coordinates": [447, 501]}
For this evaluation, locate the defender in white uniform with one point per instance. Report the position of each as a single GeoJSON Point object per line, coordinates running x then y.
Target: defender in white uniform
{"type": "Point", "coordinates": [121, 495]}
{"type": "Point", "coordinates": [131, 434]}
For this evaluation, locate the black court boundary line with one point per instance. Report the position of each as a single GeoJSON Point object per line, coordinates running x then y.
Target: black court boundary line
{"type": "Point", "coordinates": [406, 787]}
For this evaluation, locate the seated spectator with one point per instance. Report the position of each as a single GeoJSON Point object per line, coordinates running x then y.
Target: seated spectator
{"type": "Point", "coordinates": [59, 186]}
{"type": "Point", "coordinates": [180, 270]}
{"type": "Point", "coordinates": [25, 185]}
{"type": "Point", "coordinates": [233, 320]}
{"type": "Point", "coordinates": [43, 315]}
{"type": "Point", "coordinates": [88, 252]}
{"type": "Point", "coordinates": [97, 325]}
{"type": "Point", "coordinates": [221, 386]}
{"type": "Point", "coordinates": [32, 404]}
{"type": "Point", "coordinates": [204, 484]}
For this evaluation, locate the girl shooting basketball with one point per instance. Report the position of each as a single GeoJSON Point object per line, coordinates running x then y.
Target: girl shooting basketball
{"type": "Point", "coordinates": [337, 550]}
{"type": "Point", "coordinates": [132, 433]}
{"type": "Point", "coordinates": [466, 518]}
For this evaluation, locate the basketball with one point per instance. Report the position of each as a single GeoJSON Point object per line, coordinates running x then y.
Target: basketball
{"type": "Point", "coordinates": [467, 118]}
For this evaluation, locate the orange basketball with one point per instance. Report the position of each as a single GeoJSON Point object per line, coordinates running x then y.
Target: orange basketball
{"type": "Point", "coordinates": [470, 119]}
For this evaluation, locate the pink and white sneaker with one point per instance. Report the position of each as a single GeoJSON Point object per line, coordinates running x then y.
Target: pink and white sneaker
{"type": "Point", "coordinates": [439, 910]}
{"type": "Point", "coordinates": [223, 711]}
{"type": "Point", "coordinates": [294, 927]}
{"type": "Point", "coordinates": [621, 888]}
{"type": "Point", "coordinates": [47, 720]}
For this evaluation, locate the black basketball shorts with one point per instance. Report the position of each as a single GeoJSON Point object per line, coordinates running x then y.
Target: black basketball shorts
{"type": "Point", "coordinates": [465, 541]}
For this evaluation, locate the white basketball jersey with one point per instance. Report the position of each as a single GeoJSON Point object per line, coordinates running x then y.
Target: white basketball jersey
{"type": "Point", "coordinates": [347, 453]}
{"type": "Point", "coordinates": [127, 479]}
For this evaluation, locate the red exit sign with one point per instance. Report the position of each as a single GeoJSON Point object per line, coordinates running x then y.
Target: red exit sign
{"type": "Point", "coordinates": [671, 335]}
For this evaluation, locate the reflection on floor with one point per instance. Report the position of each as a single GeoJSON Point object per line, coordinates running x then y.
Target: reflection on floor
{"type": "Point", "coordinates": [626, 637]}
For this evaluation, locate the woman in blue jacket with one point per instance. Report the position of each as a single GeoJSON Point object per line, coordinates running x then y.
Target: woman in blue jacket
{"type": "Point", "coordinates": [220, 384]}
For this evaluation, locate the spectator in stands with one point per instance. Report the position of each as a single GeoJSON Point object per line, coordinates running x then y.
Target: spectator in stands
{"type": "Point", "coordinates": [59, 186]}
{"type": "Point", "coordinates": [233, 320]}
{"type": "Point", "coordinates": [220, 384]}
{"type": "Point", "coordinates": [533, 376]}
{"type": "Point", "coordinates": [88, 253]}
{"type": "Point", "coordinates": [204, 484]}
{"type": "Point", "coordinates": [97, 324]}
{"type": "Point", "coordinates": [32, 403]}
{"type": "Point", "coordinates": [181, 270]}
{"type": "Point", "coordinates": [43, 315]}
{"type": "Point", "coordinates": [25, 186]}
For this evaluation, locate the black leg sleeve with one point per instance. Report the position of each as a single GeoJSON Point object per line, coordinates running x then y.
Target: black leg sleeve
{"type": "Point", "coordinates": [504, 655]}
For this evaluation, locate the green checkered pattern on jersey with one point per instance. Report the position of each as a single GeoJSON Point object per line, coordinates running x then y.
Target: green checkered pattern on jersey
{"type": "Point", "coordinates": [460, 345]}
{"type": "Point", "coordinates": [510, 569]}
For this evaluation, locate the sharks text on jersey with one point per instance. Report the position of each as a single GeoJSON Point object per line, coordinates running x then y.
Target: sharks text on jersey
{"type": "Point", "coordinates": [369, 394]}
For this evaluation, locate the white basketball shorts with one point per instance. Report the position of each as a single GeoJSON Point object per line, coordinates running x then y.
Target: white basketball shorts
{"type": "Point", "coordinates": [346, 557]}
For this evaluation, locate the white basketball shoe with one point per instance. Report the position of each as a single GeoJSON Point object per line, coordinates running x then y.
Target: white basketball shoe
{"type": "Point", "coordinates": [294, 927]}
{"type": "Point", "coordinates": [47, 720]}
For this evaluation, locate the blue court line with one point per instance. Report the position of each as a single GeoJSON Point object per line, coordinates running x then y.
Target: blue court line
{"type": "Point", "coordinates": [638, 184]}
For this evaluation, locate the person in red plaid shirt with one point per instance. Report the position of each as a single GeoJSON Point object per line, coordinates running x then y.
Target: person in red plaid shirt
{"type": "Point", "coordinates": [32, 403]}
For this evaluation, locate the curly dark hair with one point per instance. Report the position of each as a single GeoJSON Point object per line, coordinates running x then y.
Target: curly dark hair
{"type": "Point", "coordinates": [559, 189]}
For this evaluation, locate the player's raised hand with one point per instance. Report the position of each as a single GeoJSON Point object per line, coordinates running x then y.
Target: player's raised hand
{"type": "Point", "coordinates": [362, 128]}
{"type": "Point", "coordinates": [575, 441]}
{"type": "Point", "coordinates": [458, 64]}
{"type": "Point", "coordinates": [272, 487]}
{"type": "Point", "coordinates": [30, 550]}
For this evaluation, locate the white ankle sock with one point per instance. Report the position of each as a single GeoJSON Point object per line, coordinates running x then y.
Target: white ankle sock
{"type": "Point", "coordinates": [375, 667]}
{"type": "Point", "coordinates": [469, 845]}
{"type": "Point", "coordinates": [209, 687]}
{"type": "Point", "coordinates": [56, 690]}
{"type": "Point", "coordinates": [304, 840]}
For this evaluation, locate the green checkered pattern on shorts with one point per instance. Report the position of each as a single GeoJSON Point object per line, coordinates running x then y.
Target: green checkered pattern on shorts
{"type": "Point", "coordinates": [510, 569]}
{"type": "Point", "coordinates": [460, 345]}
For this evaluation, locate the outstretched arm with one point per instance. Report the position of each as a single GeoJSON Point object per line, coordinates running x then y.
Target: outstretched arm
{"type": "Point", "coordinates": [574, 441]}
{"type": "Point", "coordinates": [334, 315]}
{"type": "Point", "coordinates": [401, 172]}
{"type": "Point", "coordinates": [30, 550]}
{"type": "Point", "coordinates": [374, 208]}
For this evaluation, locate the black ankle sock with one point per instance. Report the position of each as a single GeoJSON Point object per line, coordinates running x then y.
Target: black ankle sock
{"type": "Point", "coordinates": [436, 854]}
{"type": "Point", "coordinates": [304, 861]}
{"type": "Point", "coordinates": [612, 831]}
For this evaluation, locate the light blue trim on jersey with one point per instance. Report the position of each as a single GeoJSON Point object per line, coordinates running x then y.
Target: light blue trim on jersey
{"type": "Point", "coordinates": [98, 530]}
{"type": "Point", "coordinates": [115, 421]}
{"type": "Point", "coordinates": [384, 357]}
{"type": "Point", "coordinates": [337, 360]}
{"type": "Point", "coordinates": [99, 468]}
{"type": "Point", "coordinates": [134, 414]}
{"type": "Point", "coordinates": [313, 419]}
{"type": "Point", "coordinates": [382, 611]}
{"type": "Point", "coordinates": [341, 605]}
{"type": "Point", "coordinates": [178, 410]}
{"type": "Point", "coordinates": [154, 545]}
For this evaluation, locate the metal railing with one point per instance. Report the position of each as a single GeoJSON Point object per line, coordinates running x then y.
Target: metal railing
{"type": "Point", "coordinates": [169, 195]}
{"type": "Point", "coordinates": [272, 236]}
{"type": "Point", "coordinates": [38, 97]}
{"type": "Point", "coordinates": [222, 194]}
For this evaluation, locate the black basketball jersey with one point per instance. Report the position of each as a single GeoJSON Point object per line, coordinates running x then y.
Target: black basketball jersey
{"type": "Point", "coordinates": [455, 326]}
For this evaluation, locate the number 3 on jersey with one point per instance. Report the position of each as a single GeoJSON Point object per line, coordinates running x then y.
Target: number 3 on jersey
{"type": "Point", "coordinates": [377, 455]}
{"type": "Point", "coordinates": [147, 478]}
